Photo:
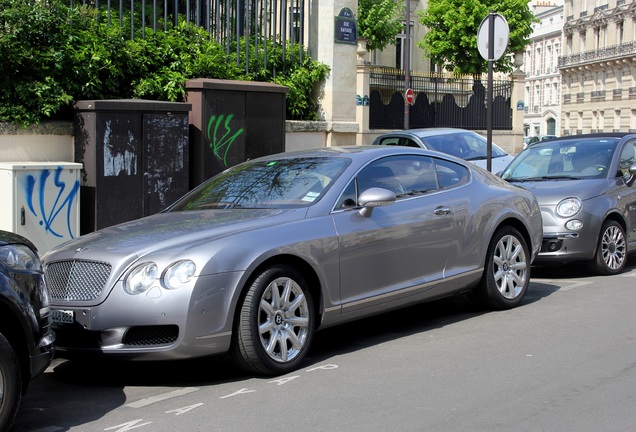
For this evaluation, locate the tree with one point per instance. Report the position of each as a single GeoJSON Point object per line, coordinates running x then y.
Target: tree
{"type": "Point", "coordinates": [379, 22]}
{"type": "Point", "coordinates": [452, 26]}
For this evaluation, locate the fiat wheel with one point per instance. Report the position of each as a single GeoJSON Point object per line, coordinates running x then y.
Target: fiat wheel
{"type": "Point", "coordinates": [275, 323]}
{"type": "Point", "coordinates": [611, 250]}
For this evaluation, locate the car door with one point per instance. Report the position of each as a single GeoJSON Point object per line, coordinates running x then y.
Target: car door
{"type": "Point", "coordinates": [628, 194]}
{"type": "Point", "coordinates": [400, 250]}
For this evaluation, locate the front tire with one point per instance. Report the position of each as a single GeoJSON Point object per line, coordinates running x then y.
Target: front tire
{"type": "Point", "coordinates": [275, 323]}
{"type": "Point", "coordinates": [507, 271]}
{"type": "Point", "coordinates": [10, 384]}
{"type": "Point", "coordinates": [611, 249]}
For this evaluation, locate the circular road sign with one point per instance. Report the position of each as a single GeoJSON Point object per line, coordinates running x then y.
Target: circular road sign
{"type": "Point", "coordinates": [502, 33]}
{"type": "Point", "coordinates": [409, 96]}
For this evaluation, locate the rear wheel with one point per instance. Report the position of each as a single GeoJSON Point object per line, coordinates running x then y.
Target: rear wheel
{"type": "Point", "coordinates": [10, 384]}
{"type": "Point", "coordinates": [507, 272]}
{"type": "Point", "coordinates": [611, 250]}
{"type": "Point", "coordinates": [275, 323]}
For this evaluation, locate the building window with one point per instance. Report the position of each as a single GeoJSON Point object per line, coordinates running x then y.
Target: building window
{"type": "Point", "coordinates": [400, 48]}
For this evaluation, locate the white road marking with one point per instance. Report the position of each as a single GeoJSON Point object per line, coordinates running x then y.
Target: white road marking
{"type": "Point", "coordinates": [161, 397]}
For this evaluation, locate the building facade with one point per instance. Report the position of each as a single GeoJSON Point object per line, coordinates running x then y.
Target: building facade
{"type": "Point", "coordinates": [598, 67]}
{"type": "Point", "coordinates": [543, 80]}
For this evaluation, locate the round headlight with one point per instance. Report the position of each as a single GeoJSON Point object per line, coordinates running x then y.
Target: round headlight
{"type": "Point", "coordinates": [178, 274]}
{"type": "Point", "coordinates": [574, 225]}
{"type": "Point", "coordinates": [568, 207]}
{"type": "Point", "coordinates": [141, 278]}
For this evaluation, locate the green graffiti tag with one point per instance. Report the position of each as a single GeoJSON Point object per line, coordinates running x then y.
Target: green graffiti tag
{"type": "Point", "coordinates": [222, 137]}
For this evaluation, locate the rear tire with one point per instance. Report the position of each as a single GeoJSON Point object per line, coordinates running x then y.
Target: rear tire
{"type": "Point", "coordinates": [10, 384]}
{"type": "Point", "coordinates": [611, 249]}
{"type": "Point", "coordinates": [275, 323]}
{"type": "Point", "coordinates": [507, 272]}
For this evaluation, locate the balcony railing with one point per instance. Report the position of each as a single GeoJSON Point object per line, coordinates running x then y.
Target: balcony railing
{"type": "Point", "coordinates": [624, 49]}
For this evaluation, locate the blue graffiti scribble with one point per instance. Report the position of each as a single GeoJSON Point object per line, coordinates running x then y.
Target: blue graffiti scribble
{"type": "Point", "coordinates": [224, 142]}
{"type": "Point", "coordinates": [60, 203]}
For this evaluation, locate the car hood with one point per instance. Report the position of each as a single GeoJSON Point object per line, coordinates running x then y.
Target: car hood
{"type": "Point", "coordinates": [498, 164]}
{"type": "Point", "coordinates": [171, 230]}
{"type": "Point", "coordinates": [552, 191]}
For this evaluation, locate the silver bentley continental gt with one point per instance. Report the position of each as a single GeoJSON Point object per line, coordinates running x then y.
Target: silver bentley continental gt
{"type": "Point", "coordinates": [256, 259]}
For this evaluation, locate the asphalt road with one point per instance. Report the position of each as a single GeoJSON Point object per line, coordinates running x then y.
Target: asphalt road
{"type": "Point", "coordinates": [565, 360]}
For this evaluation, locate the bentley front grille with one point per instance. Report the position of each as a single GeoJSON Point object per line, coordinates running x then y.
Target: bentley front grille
{"type": "Point", "coordinates": [76, 280]}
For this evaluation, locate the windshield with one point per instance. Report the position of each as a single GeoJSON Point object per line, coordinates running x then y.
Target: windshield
{"type": "Point", "coordinates": [284, 183]}
{"type": "Point", "coordinates": [467, 146]}
{"type": "Point", "coordinates": [562, 159]}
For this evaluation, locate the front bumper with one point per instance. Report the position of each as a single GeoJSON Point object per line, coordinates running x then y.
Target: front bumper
{"type": "Point", "coordinates": [159, 324]}
{"type": "Point", "coordinates": [566, 247]}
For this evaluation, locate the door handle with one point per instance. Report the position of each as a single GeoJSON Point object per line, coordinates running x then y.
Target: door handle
{"type": "Point", "coordinates": [441, 211]}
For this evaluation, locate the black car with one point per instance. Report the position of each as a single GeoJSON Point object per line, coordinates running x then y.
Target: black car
{"type": "Point", "coordinates": [26, 339]}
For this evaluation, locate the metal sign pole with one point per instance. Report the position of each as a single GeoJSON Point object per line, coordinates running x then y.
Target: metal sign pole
{"type": "Point", "coordinates": [407, 64]}
{"type": "Point", "coordinates": [489, 93]}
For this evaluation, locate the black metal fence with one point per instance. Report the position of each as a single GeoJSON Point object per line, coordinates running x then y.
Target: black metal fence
{"type": "Point", "coordinates": [227, 21]}
{"type": "Point", "coordinates": [440, 101]}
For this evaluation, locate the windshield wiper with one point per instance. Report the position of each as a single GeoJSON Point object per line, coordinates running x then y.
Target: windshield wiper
{"type": "Point", "coordinates": [543, 178]}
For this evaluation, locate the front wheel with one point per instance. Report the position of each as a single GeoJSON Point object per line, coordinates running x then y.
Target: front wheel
{"type": "Point", "coordinates": [275, 323]}
{"type": "Point", "coordinates": [10, 384]}
{"type": "Point", "coordinates": [507, 272]}
{"type": "Point", "coordinates": [611, 249]}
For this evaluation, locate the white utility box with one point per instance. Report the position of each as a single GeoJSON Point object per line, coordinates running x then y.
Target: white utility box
{"type": "Point", "coordinates": [40, 201]}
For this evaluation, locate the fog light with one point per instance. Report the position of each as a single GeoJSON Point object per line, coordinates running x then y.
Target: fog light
{"type": "Point", "coordinates": [574, 225]}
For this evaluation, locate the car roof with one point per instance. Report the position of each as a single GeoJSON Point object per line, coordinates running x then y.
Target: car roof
{"type": "Point", "coordinates": [594, 135]}
{"type": "Point", "coordinates": [352, 150]}
{"type": "Point", "coordinates": [424, 132]}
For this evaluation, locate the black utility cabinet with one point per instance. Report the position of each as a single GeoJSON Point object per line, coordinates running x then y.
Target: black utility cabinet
{"type": "Point", "coordinates": [231, 122]}
{"type": "Point", "coordinates": [136, 159]}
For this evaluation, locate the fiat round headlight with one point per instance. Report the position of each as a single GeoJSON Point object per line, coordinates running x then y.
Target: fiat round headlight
{"type": "Point", "coordinates": [141, 278]}
{"type": "Point", "coordinates": [568, 207]}
{"type": "Point", "coordinates": [178, 274]}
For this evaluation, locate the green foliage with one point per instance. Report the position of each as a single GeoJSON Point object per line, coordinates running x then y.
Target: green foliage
{"type": "Point", "coordinates": [294, 69]}
{"type": "Point", "coordinates": [452, 26]}
{"type": "Point", "coordinates": [379, 22]}
{"type": "Point", "coordinates": [53, 55]}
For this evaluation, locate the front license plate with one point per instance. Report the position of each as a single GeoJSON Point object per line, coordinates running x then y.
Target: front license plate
{"type": "Point", "coordinates": [63, 316]}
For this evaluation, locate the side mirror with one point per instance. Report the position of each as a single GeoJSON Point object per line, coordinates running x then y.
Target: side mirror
{"type": "Point", "coordinates": [374, 197]}
{"type": "Point", "coordinates": [632, 175]}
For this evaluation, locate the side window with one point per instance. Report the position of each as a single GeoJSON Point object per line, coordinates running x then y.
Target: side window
{"type": "Point", "coordinates": [628, 157]}
{"type": "Point", "coordinates": [390, 141]}
{"type": "Point", "coordinates": [450, 174]}
{"type": "Point", "coordinates": [407, 142]}
{"type": "Point", "coordinates": [404, 175]}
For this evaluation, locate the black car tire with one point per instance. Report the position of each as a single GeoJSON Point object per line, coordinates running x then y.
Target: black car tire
{"type": "Point", "coordinates": [611, 249]}
{"type": "Point", "coordinates": [10, 384]}
{"type": "Point", "coordinates": [507, 271]}
{"type": "Point", "coordinates": [275, 323]}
